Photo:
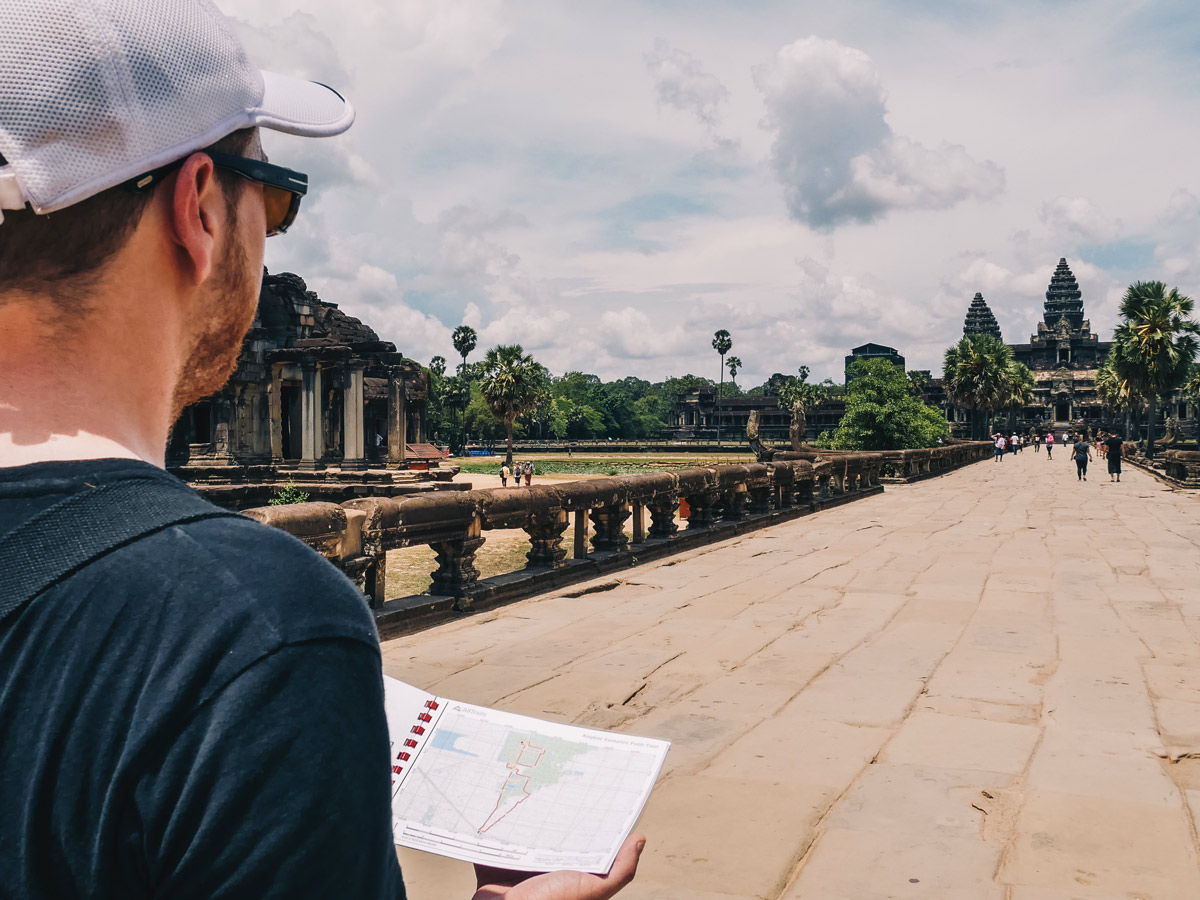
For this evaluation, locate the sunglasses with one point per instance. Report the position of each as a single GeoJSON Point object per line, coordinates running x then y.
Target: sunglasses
{"type": "Point", "coordinates": [282, 188]}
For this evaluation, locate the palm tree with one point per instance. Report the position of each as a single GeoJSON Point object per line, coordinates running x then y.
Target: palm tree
{"type": "Point", "coordinates": [1155, 344]}
{"type": "Point", "coordinates": [976, 374]}
{"type": "Point", "coordinates": [437, 366]}
{"type": "Point", "coordinates": [1019, 389]}
{"type": "Point", "coordinates": [513, 385]}
{"type": "Point", "coordinates": [722, 343]}
{"type": "Point", "coordinates": [464, 340]}
{"type": "Point", "coordinates": [1116, 393]}
{"type": "Point", "coordinates": [733, 364]}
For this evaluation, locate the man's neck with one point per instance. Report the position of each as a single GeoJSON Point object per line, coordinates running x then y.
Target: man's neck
{"type": "Point", "coordinates": [104, 391]}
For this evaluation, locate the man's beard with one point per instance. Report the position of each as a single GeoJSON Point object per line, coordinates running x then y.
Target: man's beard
{"type": "Point", "coordinates": [214, 354]}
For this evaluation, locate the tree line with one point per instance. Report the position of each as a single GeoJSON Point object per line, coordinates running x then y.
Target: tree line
{"type": "Point", "coordinates": [508, 394]}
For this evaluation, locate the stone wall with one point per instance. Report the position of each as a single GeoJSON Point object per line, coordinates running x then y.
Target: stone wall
{"type": "Point", "coordinates": [722, 502]}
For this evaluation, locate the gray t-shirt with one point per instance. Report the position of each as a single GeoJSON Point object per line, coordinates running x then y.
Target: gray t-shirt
{"type": "Point", "coordinates": [1081, 450]}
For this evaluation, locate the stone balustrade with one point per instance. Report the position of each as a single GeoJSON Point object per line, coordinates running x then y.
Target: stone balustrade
{"type": "Point", "coordinates": [721, 501]}
{"type": "Point", "coordinates": [1182, 467]}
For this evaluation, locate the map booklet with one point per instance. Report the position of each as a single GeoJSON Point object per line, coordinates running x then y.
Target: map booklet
{"type": "Point", "coordinates": [510, 791]}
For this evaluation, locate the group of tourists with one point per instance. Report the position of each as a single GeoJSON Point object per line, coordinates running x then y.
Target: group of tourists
{"type": "Point", "coordinates": [517, 471]}
{"type": "Point", "coordinates": [1111, 447]}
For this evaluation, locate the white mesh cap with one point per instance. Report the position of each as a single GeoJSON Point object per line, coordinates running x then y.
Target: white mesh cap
{"type": "Point", "coordinates": [96, 92]}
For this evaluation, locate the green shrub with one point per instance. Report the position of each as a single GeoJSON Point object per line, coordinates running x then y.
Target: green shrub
{"type": "Point", "coordinates": [289, 493]}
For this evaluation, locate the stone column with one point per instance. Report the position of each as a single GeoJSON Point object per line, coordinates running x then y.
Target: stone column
{"type": "Point", "coordinates": [311, 438]}
{"type": "Point", "coordinates": [545, 540]}
{"type": "Point", "coordinates": [581, 534]}
{"type": "Point", "coordinates": [662, 516]}
{"type": "Point", "coordinates": [275, 406]}
{"type": "Point", "coordinates": [354, 436]}
{"type": "Point", "coordinates": [735, 504]}
{"type": "Point", "coordinates": [760, 500]}
{"type": "Point", "coordinates": [397, 420]}
{"type": "Point", "coordinates": [639, 524]}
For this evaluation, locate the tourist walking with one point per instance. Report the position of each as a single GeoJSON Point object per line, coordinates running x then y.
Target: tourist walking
{"type": "Point", "coordinates": [528, 473]}
{"type": "Point", "coordinates": [999, 439]}
{"type": "Point", "coordinates": [504, 475]}
{"type": "Point", "coordinates": [1083, 453]}
{"type": "Point", "coordinates": [1049, 445]}
{"type": "Point", "coordinates": [1037, 443]}
{"type": "Point", "coordinates": [1114, 445]}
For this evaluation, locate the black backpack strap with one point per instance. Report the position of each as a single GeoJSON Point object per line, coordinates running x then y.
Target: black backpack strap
{"type": "Point", "coordinates": [62, 539]}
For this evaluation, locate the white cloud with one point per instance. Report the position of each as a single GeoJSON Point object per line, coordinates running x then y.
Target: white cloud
{"type": "Point", "coordinates": [681, 82]}
{"type": "Point", "coordinates": [835, 153]}
{"type": "Point", "coordinates": [1079, 219]}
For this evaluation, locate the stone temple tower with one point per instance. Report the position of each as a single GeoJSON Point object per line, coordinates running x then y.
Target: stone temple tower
{"type": "Point", "coordinates": [980, 319]}
{"type": "Point", "coordinates": [1064, 299]}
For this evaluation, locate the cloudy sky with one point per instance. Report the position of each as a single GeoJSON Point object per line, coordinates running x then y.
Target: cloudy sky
{"type": "Point", "coordinates": [609, 182]}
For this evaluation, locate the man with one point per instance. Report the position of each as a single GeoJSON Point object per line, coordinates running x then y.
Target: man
{"type": "Point", "coordinates": [198, 711]}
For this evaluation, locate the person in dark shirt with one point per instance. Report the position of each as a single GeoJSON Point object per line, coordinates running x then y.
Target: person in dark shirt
{"type": "Point", "coordinates": [1082, 452]}
{"type": "Point", "coordinates": [1114, 444]}
{"type": "Point", "coordinates": [199, 712]}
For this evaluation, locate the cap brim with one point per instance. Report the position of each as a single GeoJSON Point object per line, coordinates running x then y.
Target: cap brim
{"type": "Point", "coordinates": [301, 107]}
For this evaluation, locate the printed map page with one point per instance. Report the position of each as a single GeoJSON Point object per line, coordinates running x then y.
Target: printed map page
{"type": "Point", "coordinates": [516, 792]}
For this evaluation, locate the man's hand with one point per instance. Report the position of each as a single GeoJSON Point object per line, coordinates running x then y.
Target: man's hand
{"type": "Point", "coordinates": [501, 883]}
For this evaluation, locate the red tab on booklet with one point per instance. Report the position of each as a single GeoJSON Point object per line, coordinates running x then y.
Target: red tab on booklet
{"type": "Point", "coordinates": [431, 704]}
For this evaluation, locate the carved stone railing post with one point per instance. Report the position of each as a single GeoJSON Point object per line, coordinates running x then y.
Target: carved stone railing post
{"type": "Point", "coordinates": [456, 573]}
{"type": "Point", "coordinates": [761, 500]}
{"type": "Point", "coordinates": [609, 523]}
{"type": "Point", "coordinates": [824, 485]}
{"type": "Point", "coordinates": [662, 516]}
{"type": "Point", "coordinates": [545, 540]}
{"type": "Point", "coordinates": [735, 504]}
{"type": "Point", "coordinates": [702, 505]}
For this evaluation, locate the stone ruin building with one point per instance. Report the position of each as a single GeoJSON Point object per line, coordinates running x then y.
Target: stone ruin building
{"type": "Point", "coordinates": [317, 398]}
{"type": "Point", "coordinates": [1063, 355]}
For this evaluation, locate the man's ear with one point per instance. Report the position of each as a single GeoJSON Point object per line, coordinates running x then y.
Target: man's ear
{"type": "Point", "coordinates": [198, 214]}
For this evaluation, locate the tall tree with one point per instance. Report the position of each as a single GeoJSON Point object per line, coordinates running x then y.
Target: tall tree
{"type": "Point", "coordinates": [1019, 389]}
{"type": "Point", "coordinates": [437, 366]}
{"type": "Point", "coordinates": [1155, 344]}
{"type": "Point", "coordinates": [883, 414]}
{"type": "Point", "coordinates": [1116, 393]}
{"type": "Point", "coordinates": [733, 364]}
{"type": "Point", "coordinates": [722, 343]}
{"type": "Point", "coordinates": [513, 385]}
{"type": "Point", "coordinates": [976, 374]}
{"type": "Point", "coordinates": [464, 340]}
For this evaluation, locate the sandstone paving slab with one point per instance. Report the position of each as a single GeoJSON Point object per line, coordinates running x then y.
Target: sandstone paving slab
{"type": "Point", "coordinates": [1173, 678]}
{"type": "Point", "coordinates": [791, 745]}
{"type": "Point", "coordinates": [857, 865]}
{"type": "Point", "coordinates": [1067, 841]}
{"type": "Point", "coordinates": [929, 738]}
{"type": "Point", "coordinates": [1179, 726]}
{"type": "Point", "coordinates": [907, 800]}
{"type": "Point", "coordinates": [1107, 765]}
{"type": "Point", "coordinates": [731, 835]}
